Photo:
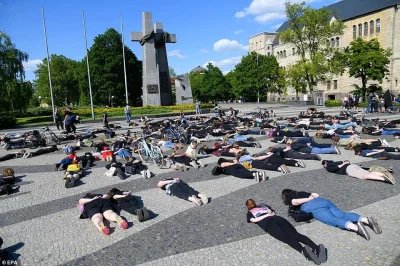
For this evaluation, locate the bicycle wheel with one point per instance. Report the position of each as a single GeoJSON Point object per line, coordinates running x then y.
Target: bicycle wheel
{"type": "Point", "coordinates": [169, 136]}
{"type": "Point", "coordinates": [55, 138]}
{"type": "Point", "coordinates": [158, 156]}
{"type": "Point", "coordinates": [31, 144]}
{"type": "Point", "coordinates": [143, 153]}
{"type": "Point", "coordinates": [182, 139]}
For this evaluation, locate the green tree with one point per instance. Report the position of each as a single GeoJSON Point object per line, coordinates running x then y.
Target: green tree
{"type": "Point", "coordinates": [196, 82]}
{"type": "Point", "coordinates": [296, 78]}
{"type": "Point", "coordinates": [256, 75]}
{"type": "Point", "coordinates": [12, 76]}
{"type": "Point", "coordinates": [367, 60]}
{"type": "Point", "coordinates": [309, 29]}
{"type": "Point", "coordinates": [107, 71]}
{"type": "Point", "coordinates": [172, 72]}
{"type": "Point", "coordinates": [63, 80]}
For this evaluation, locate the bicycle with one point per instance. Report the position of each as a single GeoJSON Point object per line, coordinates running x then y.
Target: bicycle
{"type": "Point", "coordinates": [150, 153]}
{"type": "Point", "coordinates": [47, 131]}
{"type": "Point", "coordinates": [175, 134]}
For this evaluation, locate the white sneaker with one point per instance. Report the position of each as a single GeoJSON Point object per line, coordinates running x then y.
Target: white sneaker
{"type": "Point", "coordinates": [194, 164]}
{"type": "Point", "coordinates": [201, 163]}
{"type": "Point", "coordinates": [143, 173]}
{"type": "Point", "coordinates": [385, 143]}
{"type": "Point", "coordinates": [148, 173]}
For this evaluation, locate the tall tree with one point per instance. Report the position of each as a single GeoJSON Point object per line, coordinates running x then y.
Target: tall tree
{"type": "Point", "coordinates": [367, 60]}
{"type": "Point", "coordinates": [12, 74]}
{"type": "Point", "coordinates": [107, 70]}
{"type": "Point", "coordinates": [256, 75]}
{"type": "Point", "coordinates": [63, 80]}
{"type": "Point", "coordinates": [172, 72]}
{"type": "Point", "coordinates": [309, 30]}
{"type": "Point", "coordinates": [296, 78]}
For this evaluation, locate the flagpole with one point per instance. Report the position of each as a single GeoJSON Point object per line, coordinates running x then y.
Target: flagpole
{"type": "Point", "coordinates": [123, 57]}
{"type": "Point", "coordinates": [87, 63]}
{"type": "Point", "coordinates": [48, 64]}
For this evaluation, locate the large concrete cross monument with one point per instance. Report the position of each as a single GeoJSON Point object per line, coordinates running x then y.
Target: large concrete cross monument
{"type": "Point", "coordinates": [156, 80]}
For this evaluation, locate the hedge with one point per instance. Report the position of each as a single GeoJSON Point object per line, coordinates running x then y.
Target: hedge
{"type": "Point", "coordinates": [87, 112]}
{"type": "Point", "coordinates": [333, 103]}
{"type": "Point", "coordinates": [7, 120]}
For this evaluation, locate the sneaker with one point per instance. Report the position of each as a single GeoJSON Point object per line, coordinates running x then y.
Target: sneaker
{"type": "Point", "coordinates": [389, 178]}
{"type": "Point", "coordinates": [361, 231]}
{"type": "Point", "coordinates": [337, 150]}
{"type": "Point", "coordinates": [197, 201]}
{"type": "Point", "coordinates": [124, 224]}
{"type": "Point", "coordinates": [194, 164]}
{"type": "Point", "coordinates": [264, 176]}
{"type": "Point", "coordinates": [257, 177]}
{"type": "Point", "coordinates": [385, 143]}
{"type": "Point", "coordinates": [301, 164]}
{"type": "Point", "coordinates": [201, 163]}
{"type": "Point", "coordinates": [55, 167]}
{"type": "Point", "coordinates": [148, 173]}
{"type": "Point", "coordinates": [120, 173]}
{"type": "Point", "coordinates": [105, 230]}
{"type": "Point", "coordinates": [203, 198]}
{"type": "Point", "coordinates": [322, 253]}
{"type": "Point", "coordinates": [373, 224]}
{"type": "Point", "coordinates": [143, 173]}
{"type": "Point", "coordinates": [284, 169]}
{"type": "Point", "coordinates": [146, 214]}
{"type": "Point", "coordinates": [318, 157]}
{"type": "Point", "coordinates": [310, 255]}
{"type": "Point", "coordinates": [6, 147]}
{"type": "Point", "coordinates": [61, 167]}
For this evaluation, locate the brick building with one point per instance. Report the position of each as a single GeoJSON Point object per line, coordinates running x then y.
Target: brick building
{"type": "Point", "coordinates": [367, 19]}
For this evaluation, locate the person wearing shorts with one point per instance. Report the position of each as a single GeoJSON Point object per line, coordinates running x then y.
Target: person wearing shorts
{"type": "Point", "coordinates": [353, 170]}
{"type": "Point", "coordinates": [96, 207]}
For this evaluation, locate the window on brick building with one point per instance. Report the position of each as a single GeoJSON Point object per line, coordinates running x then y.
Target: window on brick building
{"type": "Point", "coordinates": [359, 30]}
{"type": "Point", "coordinates": [333, 42]}
{"type": "Point", "coordinates": [354, 31]}
{"type": "Point", "coordinates": [284, 54]}
{"type": "Point", "coordinates": [371, 27]}
{"type": "Point", "coordinates": [335, 84]}
{"type": "Point", "coordinates": [365, 28]}
{"type": "Point", "coordinates": [337, 42]}
{"type": "Point", "coordinates": [378, 25]}
{"type": "Point", "coordinates": [328, 85]}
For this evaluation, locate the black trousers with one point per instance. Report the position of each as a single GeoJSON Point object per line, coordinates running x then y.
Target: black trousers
{"type": "Point", "coordinates": [279, 228]}
{"type": "Point", "coordinates": [43, 151]}
{"type": "Point", "coordinates": [129, 204]}
{"type": "Point", "coordinates": [245, 144]}
{"type": "Point", "coordinates": [183, 159]}
{"type": "Point", "coordinates": [7, 157]}
{"type": "Point", "coordinates": [238, 170]}
{"type": "Point", "coordinates": [182, 190]}
{"type": "Point", "coordinates": [390, 156]}
{"type": "Point", "coordinates": [276, 159]}
{"type": "Point", "coordinates": [302, 156]}
{"type": "Point", "coordinates": [262, 164]}
{"type": "Point", "coordinates": [60, 124]}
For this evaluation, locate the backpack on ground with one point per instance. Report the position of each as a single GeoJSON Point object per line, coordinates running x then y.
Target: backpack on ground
{"type": "Point", "coordinates": [8, 172]}
{"type": "Point", "coordinates": [298, 215]}
{"type": "Point", "coordinates": [87, 142]}
{"type": "Point", "coordinates": [130, 168]}
{"type": "Point", "coordinates": [247, 165]}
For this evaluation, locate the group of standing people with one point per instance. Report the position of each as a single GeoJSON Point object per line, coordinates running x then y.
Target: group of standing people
{"type": "Point", "coordinates": [67, 122]}
{"type": "Point", "coordinates": [351, 102]}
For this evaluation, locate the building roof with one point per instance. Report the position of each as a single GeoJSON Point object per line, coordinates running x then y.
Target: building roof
{"type": "Point", "coordinates": [199, 69]}
{"type": "Point", "coordinates": [348, 9]}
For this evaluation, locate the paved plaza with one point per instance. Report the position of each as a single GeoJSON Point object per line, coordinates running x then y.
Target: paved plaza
{"type": "Point", "coordinates": [40, 224]}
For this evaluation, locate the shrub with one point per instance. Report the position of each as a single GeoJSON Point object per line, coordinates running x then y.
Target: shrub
{"type": "Point", "coordinates": [333, 103]}
{"type": "Point", "coordinates": [7, 120]}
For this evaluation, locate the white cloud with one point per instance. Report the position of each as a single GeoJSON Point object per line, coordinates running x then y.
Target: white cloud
{"type": "Point", "coordinates": [31, 65]}
{"type": "Point", "coordinates": [225, 45]}
{"type": "Point", "coordinates": [176, 53]}
{"type": "Point", "coordinates": [266, 11]}
{"type": "Point", "coordinates": [225, 65]}
{"type": "Point", "coordinates": [238, 32]}
{"type": "Point", "coordinates": [204, 50]}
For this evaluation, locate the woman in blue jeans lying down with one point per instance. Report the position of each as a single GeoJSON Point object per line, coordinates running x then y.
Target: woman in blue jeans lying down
{"type": "Point", "coordinates": [325, 211]}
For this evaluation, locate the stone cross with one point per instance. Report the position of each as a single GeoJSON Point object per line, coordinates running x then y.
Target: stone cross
{"type": "Point", "coordinates": [156, 80]}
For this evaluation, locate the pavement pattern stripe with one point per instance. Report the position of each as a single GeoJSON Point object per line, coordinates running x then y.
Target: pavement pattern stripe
{"type": "Point", "coordinates": [60, 237]}
{"type": "Point", "coordinates": [211, 226]}
{"type": "Point", "coordinates": [344, 248]}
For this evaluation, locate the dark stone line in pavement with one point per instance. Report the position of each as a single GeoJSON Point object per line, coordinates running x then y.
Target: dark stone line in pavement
{"type": "Point", "coordinates": [224, 220]}
{"type": "Point", "coordinates": [58, 205]}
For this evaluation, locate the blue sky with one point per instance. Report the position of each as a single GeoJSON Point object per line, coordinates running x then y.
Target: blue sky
{"type": "Point", "coordinates": [214, 31]}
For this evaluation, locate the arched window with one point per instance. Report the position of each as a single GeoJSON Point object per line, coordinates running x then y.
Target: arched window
{"type": "Point", "coordinates": [333, 42]}
{"type": "Point", "coordinates": [359, 30]}
{"type": "Point", "coordinates": [378, 25]}
{"type": "Point", "coordinates": [277, 54]}
{"type": "Point", "coordinates": [365, 28]}
{"type": "Point", "coordinates": [293, 51]}
{"type": "Point", "coordinates": [337, 42]}
{"type": "Point", "coordinates": [371, 27]}
{"type": "Point", "coordinates": [354, 31]}
{"type": "Point", "coordinates": [284, 54]}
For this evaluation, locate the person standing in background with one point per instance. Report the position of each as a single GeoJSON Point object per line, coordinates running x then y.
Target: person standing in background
{"type": "Point", "coordinates": [58, 118]}
{"type": "Point", "coordinates": [197, 107]}
{"type": "Point", "coordinates": [127, 111]}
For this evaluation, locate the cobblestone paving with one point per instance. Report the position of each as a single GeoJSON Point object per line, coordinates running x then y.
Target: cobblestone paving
{"type": "Point", "coordinates": [42, 218]}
